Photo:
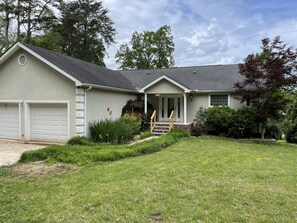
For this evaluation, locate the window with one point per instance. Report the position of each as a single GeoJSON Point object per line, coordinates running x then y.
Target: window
{"type": "Point", "coordinates": [219, 100]}
{"type": "Point", "coordinates": [22, 59]}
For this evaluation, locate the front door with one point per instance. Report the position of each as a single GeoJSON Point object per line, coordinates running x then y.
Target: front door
{"type": "Point", "coordinates": [167, 104]}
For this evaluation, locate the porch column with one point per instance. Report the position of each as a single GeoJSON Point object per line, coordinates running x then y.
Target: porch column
{"type": "Point", "coordinates": [145, 103]}
{"type": "Point", "coordinates": [185, 108]}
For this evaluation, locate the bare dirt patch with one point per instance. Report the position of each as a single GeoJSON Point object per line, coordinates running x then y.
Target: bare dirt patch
{"type": "Point", "coordinates": [39, 169]}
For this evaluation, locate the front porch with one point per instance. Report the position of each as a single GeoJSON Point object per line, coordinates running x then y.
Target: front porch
{"type": "Point", "coordinates": [170, 102]}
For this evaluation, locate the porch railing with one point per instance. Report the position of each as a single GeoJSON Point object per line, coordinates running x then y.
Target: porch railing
{"type": "Point", "coordinates": [171, 120]}
{"type": "Point", "coordinates": [153, 120]}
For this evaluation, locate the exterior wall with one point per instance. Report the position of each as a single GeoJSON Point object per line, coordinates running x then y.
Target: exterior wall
{"type": "Point", "coordinates": [164, 87]}
{"type": "Point", "coordinates": [235, 103]}
{"type": "Point", "coordinates": [35, 81]}
{"type": "Point", "coordinates": [202, 100]}
{"type": "Point", "coordinates": [102, 104]}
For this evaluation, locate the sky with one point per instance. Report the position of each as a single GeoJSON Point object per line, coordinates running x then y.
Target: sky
{"type": "Point", "coordinates": [205, 32]}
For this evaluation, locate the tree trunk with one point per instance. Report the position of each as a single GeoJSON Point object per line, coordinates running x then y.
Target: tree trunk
{"type": "Point", "coordinates": [7, 23]}
{"type": "Point", "coordinates": [18, 21]}
{"type": "Point", "coordinates": [29, 31]}
{"type": "Point", "coordinates": [262, 129]}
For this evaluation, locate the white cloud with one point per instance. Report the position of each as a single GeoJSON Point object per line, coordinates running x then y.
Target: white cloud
{"type": "Point", "coordinates": [205, 32]}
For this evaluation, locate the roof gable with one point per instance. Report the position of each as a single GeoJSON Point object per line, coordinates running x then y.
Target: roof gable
{"type": "Point", "coordinates": [142, 90]}
{"type": "Point", "coordinates": [81, 72]}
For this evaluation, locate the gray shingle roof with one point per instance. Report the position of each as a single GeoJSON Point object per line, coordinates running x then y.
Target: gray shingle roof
{"type": "Point", "coordinates": [84, 72]}
{"type": "Point", "coordinates": [211, 77]}
{"type": "Point", "coordinates": [201, 78]}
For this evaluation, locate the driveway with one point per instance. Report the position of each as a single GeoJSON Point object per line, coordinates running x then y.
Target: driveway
{"type": "Point", "coordinates": [10, 151]}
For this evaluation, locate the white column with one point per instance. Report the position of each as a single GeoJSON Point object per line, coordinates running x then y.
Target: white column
{"type": "Point", "coordinates": [80, 112]}
{"type": "Point", "coordinates": [185, 108]}
{"type": "Point", "coordinates": [145, 103]}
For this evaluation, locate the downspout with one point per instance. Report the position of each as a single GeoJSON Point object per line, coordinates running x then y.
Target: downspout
{"type": "Point", "coordinates": [87, 89]}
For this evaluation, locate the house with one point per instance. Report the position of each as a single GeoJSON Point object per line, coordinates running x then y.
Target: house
{"type": "Point", "coordinates": [46, 96]}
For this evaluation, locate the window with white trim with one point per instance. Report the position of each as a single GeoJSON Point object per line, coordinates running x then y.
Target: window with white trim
{"type": "Point", "coordinates": [221, 99]}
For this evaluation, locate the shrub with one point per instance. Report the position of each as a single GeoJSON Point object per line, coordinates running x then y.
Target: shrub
{"type": "Point", "coordinates": [145, 134]}
{"type": "Point", "coordinates": [219, 119]}
{"type": "Point", "coordinates": [137, 108]}
{"type": "Point", "coordinates": [200, 127]}
{"type": "Point", "coordinates": [289, 126]}
{"type": "Point", "coordinates": [80, 140]}
{"type": "Point", "coordinates": [117, 131]}
{"type": "Point", "coordinates": [225, 121]}
{"type": "Point", "coordinates": [291, 135]}
{"type": "Point", "coordinates": [273, 130]}
{"type": "Point", "coordinates": [242, 123]}
{"type": "Point", "coordinates": [134, 121]}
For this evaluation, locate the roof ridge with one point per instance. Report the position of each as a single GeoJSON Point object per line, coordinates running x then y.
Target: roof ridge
{"type": "Point", "coordinates": [183, 67]}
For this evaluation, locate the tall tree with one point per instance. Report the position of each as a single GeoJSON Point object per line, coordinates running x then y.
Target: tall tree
{"type": "Point", "coordinates": [7, 10]}
{"type": "Point", "coordinates": [266, 75]}
{"type": "Point", "coordinates": [147, 50]}
{"type": "Point", "coordinates": [86, 30]}
{"type": "Point", "coordinates": [34, 16]}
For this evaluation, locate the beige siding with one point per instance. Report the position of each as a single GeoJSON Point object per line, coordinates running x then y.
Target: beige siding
{"type": "Point", "coordinates": [198, 100]}
{"type": "Point", "coordinates": [106, 104]}
{"type": "Point", "coordinates": [235, 103]}
{"type": "Point", "coordinates": [202, 100]}
{"type": "Point", "coordinates": [35, 81]}
{"type": "Point", "coordinates": [164, 87]}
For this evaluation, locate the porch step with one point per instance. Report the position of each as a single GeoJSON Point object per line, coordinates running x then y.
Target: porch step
{"type": "Point", "coordinates": [161, 128]}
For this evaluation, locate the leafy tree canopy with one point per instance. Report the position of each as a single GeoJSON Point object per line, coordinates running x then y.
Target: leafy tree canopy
{"type": "Point", "coordinates": [86, 30]}
{"type": "Point", "coordinates": [267, 75]}
{"type": "Point", "coordinates": [147, 50]}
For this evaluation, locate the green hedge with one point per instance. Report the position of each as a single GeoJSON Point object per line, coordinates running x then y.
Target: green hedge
{"type": "Point", "coordinates": [88, 155]}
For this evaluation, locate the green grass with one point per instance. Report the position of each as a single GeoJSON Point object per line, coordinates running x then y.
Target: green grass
{"type": "Point", "coordinates": [205, 179]}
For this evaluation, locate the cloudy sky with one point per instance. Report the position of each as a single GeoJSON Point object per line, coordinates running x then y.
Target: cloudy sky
{"type": "Point", "coordinates": [206, 32]}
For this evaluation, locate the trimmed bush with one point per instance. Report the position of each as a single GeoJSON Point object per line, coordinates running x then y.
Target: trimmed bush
{"type": "Point", "coordinates": [145, 134]}
{"type": "Point", "coordinates": [88, 155]}
{"type": "Point", "coordinates": [242, 123]}
{"type": "Point", "coordinates": [219, 119]}
{"type": "Point", "coordinates": [80, 140]}
{"type": "Point", "coordinates": [225, 121]}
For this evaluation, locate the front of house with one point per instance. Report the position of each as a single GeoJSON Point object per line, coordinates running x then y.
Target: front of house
{"type": "Point", "coordinates": [46, 96]}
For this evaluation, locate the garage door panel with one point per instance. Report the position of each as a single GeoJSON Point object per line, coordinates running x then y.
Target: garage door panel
{"type": "Point", "coordinates": [49, 122]}
{"type": "Point", "coordinates": [9, 121]}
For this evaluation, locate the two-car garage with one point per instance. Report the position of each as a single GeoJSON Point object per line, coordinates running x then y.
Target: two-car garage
{"type": "Point", "coordinates": [34, 121]}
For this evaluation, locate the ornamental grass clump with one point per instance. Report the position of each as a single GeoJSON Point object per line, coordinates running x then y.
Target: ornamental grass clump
{"type": "Point", "coordinates": [117, 131]}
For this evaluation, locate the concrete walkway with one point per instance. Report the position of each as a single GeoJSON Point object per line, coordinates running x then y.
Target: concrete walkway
{"type": "Point", "coordinates": [10, 151]}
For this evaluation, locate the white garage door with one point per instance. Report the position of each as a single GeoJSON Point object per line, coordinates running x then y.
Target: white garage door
{"type": "Point", "coordinates": [49, 122]}
{"type": "Point", "coordinates": [9, 121]}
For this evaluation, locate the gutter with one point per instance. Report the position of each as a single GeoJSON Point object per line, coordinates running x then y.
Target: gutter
{"type": "Point", "coordinates": [109, 88]}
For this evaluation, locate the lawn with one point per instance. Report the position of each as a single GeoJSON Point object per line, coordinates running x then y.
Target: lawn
{"type": "Point", "coordinates": [204, 179]}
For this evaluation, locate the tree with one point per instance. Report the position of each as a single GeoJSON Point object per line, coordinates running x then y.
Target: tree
{"type": "Point", "coordinates": [34, 15]}
{"type": "Point", "coordinates": [6, 9]}
{"type": "Point", "coordinates": [289, 125]}
{"type": "Point", "coordinates": [266, 76]}
{"type": "Point", "coordinates": [148, 50]}
{"type": "Point", "coordinates": [86, 30]}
